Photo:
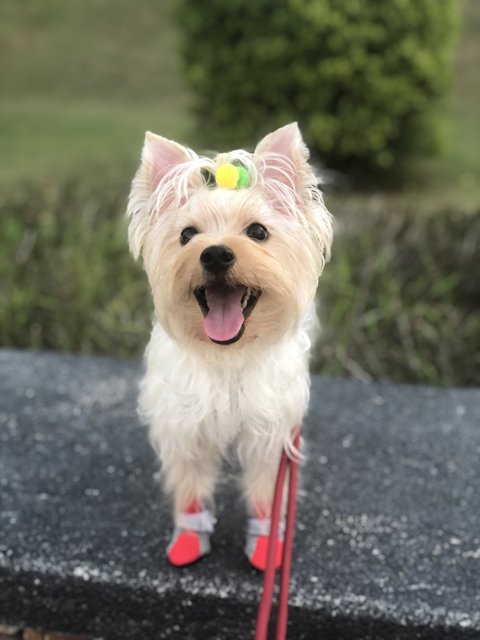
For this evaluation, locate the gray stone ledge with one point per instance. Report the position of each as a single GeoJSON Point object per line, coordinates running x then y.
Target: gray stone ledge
{"type": "Point", "coordinates": [388, 536]}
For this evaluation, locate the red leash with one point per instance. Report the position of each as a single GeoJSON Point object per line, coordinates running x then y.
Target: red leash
{"type": "Point", "coordinates": [265, 608]}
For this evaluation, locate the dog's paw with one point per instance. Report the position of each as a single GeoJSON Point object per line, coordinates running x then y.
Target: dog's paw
{"type": "Point", "coordinates": [257, 552]}
{"type": "Point", "coordinates": [257, 543]}
{"type": "Point", "coordinates": [187, 547]}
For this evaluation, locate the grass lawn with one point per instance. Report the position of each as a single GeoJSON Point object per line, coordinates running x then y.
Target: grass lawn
{"type": "Point", "coordinates": [44, 139]}
{"type": "Point", "coordinates": [81, 82]}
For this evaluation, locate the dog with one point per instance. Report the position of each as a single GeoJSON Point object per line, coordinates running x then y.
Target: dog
{"type": "Point", "coordinates": [232, 248]}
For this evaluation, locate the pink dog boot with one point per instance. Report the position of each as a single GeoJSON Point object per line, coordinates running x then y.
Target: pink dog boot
{"type": "Point", "coordinates": [256, 547]}
{"type": "Point", "coordinates": [191, 537]}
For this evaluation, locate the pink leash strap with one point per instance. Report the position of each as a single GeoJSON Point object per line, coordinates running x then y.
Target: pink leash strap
{"type": "Point", "coordinates": [265, 608]}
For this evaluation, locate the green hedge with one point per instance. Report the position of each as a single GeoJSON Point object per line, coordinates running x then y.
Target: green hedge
{"type": "Point", "coordinates": [67, 281]}
{"type": "Point", "coordinates": [399, 300]}
{"type": "Point", "coordinates": [363, 77]}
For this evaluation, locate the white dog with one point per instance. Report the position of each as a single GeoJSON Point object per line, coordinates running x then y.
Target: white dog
{"type": "Point", "coordinates": [233, 248]}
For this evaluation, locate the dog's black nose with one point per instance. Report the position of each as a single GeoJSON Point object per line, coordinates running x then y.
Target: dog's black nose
{"type": "Point", "coordinates": [217, 258]}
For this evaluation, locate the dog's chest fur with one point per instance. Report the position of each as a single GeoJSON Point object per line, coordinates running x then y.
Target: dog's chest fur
{"type": "Point", "coordinates": [262, 393]}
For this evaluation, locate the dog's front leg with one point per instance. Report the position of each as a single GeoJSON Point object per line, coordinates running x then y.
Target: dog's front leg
{"type": "Point", "coordinates": [260, 468]}
{"type": "Point", "coordinates": [189, 477]}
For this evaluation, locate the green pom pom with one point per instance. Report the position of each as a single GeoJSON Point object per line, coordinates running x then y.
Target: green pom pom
{"type": "Point", "coordinates": [243, 178]}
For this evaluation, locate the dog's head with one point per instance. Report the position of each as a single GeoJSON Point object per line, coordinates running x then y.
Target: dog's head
{"type": "Point", "coordinates": [232, 246]}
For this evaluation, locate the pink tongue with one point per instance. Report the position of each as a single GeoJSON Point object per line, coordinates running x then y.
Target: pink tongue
{"type": "Point", "coordinates": [224, 318]}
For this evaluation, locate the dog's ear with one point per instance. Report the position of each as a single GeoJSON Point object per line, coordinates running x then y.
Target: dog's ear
{"type": "Point", "coordinates": [159, 157]}
{"type": "Point", "coordinates": [282, 161]}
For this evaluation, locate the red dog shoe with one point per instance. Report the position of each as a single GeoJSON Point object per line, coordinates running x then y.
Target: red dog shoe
{"type": "Point", "coordinates": [191, 537]}
{"type": "Point", "coordinates": [256, 547]}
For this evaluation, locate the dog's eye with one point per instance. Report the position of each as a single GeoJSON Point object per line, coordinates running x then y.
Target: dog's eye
{"type": "Point", "coordinates": [256, 231]}
{"type": "Point", "coordinates": [187, 234]}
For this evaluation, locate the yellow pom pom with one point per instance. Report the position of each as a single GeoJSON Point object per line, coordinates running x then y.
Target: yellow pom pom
{"type": "Point", "coordinates": [227, 176]}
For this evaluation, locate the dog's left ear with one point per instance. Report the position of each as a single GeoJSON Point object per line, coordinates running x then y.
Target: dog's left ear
{"type": "Point", "coordinates": [159, 156]}
{"type": "Point", "coordinates": [282, 161]}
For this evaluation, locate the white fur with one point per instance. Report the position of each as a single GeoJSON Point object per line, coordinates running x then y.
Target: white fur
{"type": "Point", "coordinates": [198, 410]}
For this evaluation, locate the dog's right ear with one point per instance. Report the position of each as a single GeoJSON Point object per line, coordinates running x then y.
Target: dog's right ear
{"type": "Point", "coordinates": [159, 157]}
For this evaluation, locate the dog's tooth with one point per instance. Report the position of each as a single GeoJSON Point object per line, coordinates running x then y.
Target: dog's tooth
{"type": "Point", "coordinates": [246, 298]}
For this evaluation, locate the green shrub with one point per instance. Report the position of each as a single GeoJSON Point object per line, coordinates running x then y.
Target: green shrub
{"type": "Point", "coordinates": [400, 300]}
{"type": "Point", "coordinates": [363, 77]}
{"type": "Point", "coordinates": [67, 281]}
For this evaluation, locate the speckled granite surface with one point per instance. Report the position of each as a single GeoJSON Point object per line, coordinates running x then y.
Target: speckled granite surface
{"type": "Point", "coordinates": [388, 538]}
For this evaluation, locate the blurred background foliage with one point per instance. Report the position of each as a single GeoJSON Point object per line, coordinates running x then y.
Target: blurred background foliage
{"type": "Point", "coordinates": [81, 82]}
{"type": "Point", "coordinates": [363, 77]}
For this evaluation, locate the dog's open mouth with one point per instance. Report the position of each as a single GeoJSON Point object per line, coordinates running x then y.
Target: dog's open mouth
{"type": "Point", "coordinates": [225, 310]}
